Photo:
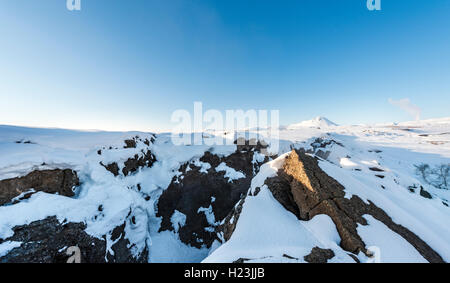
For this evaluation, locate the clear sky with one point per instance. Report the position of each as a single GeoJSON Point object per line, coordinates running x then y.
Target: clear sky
{"type": "Point", "coordinates": [128, 64]}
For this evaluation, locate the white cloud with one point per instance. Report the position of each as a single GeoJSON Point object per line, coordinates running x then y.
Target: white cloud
{"type": "Point", "coordinates": [406, 105]}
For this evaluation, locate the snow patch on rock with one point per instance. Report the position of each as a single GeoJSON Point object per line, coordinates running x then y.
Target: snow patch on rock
{"type": "Point", "coordinates": [230, 173]}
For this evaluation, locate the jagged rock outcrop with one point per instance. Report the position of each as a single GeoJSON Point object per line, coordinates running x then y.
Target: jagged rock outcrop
{"type": "Point", "coordinates": [200, 193]}
{"type": "Point", "coordinates": [48, 240]}
{"type": "Point", "coordinates": [57, 181]}
{"type": "Point", "coordinates": [304, 189]}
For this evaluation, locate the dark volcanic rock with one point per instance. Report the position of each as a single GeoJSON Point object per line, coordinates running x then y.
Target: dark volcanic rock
{"type": "Point", "coordinates": [324, 143]}
{"type": "Point", "coordinates": [241, 260]}
{"type": "Point", "coordinates": [231, 220]}
{"type": "Point", "coordinates": [319, 255]}
{"type": "Point", "coordinates": [113, 168]}
{"type": "Point", "coordinates": [303, 188]}
{"type": "Point", "coordinates": [121, 248]}
{"type": "Point", "coordinates": [47, 241]}
{"type": "Point", "coordinates": [50, 181]}
{"type": "Point", "coordinates": [424, 193]}
{"type": "Point", "coordinates": [146, 159]}
{"type": "Point", "coordinates": [130, 143]}
{"type": "Point", "coordinates": [195, 189]}
{"type": "Point", "coordinates": [289, 257]}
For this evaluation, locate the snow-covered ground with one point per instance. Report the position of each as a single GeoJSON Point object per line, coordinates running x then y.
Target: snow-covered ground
{"type": "Point", "coordinates": [23, 150]}
{"type": "Point", "coordinates": [265, 230]}
{"type": "Point", "coordinates": [263, 235]}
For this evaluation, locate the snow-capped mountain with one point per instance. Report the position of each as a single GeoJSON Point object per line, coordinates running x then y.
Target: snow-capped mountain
{"type": "Point", "coordinates": [367, 193]}
{"type": "Point", "coordinates": [318, 122]}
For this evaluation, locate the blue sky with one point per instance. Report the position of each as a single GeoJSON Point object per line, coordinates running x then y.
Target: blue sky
{"type": "Point", "coordinates": [127, 65]}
